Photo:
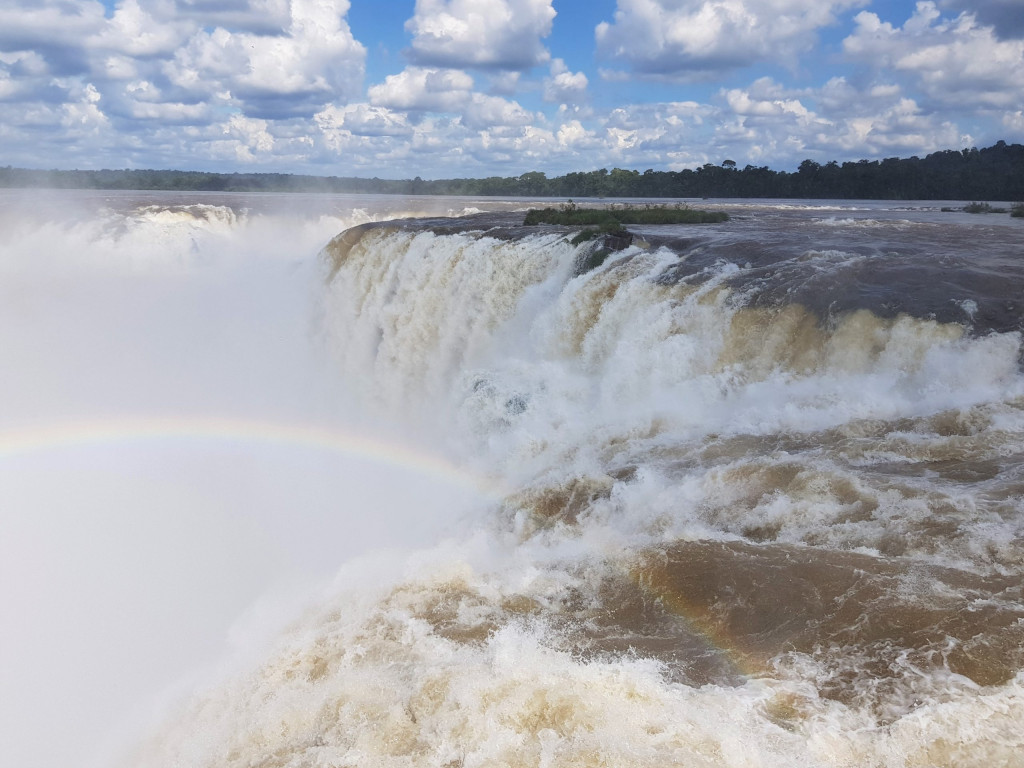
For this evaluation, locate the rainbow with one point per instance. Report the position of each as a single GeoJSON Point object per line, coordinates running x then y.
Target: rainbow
{"type": "Point", "coordinates": [91, 433]}
{"type": "Point", "coordinates": [700, 619]}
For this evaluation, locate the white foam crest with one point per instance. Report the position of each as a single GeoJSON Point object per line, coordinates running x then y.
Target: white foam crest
{"type": "Point", "coordinates": [833, 221]}
{"type": "Point", "coordinates": [388, 684]}
{"type": "Point", "coordinates": [980, 727]}
{"type": "Point", "coordinates": [812, 501]}
{"type": "Point", "coordinates": [423, 677]}
{"type": "Point", "coordinates": [59, 234]}
{"type": "Point", "coordinates": [200, 215]}
{"type": "Point", "coordinates": [659, 355]}
{"type": "Point", "coordinates": [550, 379]}
{"type": "Point", "coordinates": [542, 371]}
{"type": "Point", "coordinates": [830, 259]}
{"type": "Point", "coordinates": [796, 206]}
{"type": "Point", "coordinates": [144, 239]}
{"type": "Point", "coordinates": [416, 309]}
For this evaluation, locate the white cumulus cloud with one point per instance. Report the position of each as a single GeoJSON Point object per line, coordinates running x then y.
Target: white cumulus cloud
{"type": "Point", "coordinates": [49, 24]}
{"type": "Point", "coordinates": [420, 88]}
{"type": "Point", "coordinates": [450, 91]}
{"type": "Point", "coordinates": [498, 34]}
{"type": "Point", "coordinates": [956, 62]}
{"type": "Point", "coordinates": [571, 134]}
{"type": "Point", "coordinates": [267, 17]}
{"type": "Point", "coordinates": [363, 120]}
{"type": "Point", "coordinates": [837, 119]}
{"type": "Point", "coordinates": [660, 134]}
{"type": "Point", "coordinates": [766, 99]}
{"type": "Point", "coordinates": [485, 90]}
{"type": "Point", "coordinates": [1005, 16]}
{"type": "Point", "coordinates": [692, 38]}
{"type": "Point", "coordinates": [251, 135]}
{"type": "Point", "coordinates": [484, 111]}
{"type": "Point", "coordinates": [314, 61]}
{"type": "Point", "coordinates": [564, 86]}
{"type": "Point", "coordinates": [84, 117]}
{"type": "Point", "coordinates": [134, 31]}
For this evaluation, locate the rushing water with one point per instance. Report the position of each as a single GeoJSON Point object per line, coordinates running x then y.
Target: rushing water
{"type": "Point", "coordinates": [746, 494]}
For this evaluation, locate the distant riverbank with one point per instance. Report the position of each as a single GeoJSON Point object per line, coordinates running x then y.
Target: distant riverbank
{"type": "Point", "coordinates": [992, 173]}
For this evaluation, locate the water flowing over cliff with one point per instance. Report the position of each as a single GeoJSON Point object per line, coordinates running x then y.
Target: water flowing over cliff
{"type": "Point", "coordinates": [747, 493]}
{"type": "Point", "coordinates": [754, 502]}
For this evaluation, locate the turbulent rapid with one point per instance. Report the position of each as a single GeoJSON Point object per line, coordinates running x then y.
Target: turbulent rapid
{"type": "Point", "coordinates": [747, 494]}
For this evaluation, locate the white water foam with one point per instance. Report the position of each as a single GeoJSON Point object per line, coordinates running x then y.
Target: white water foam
{"type": "Point", "coordinates": [126, 557]}
{"type": "Point", "coordinates": [654, 413]}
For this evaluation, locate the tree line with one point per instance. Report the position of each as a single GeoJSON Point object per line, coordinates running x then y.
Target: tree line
{"type": "Point", "coordinates": [992, 173]}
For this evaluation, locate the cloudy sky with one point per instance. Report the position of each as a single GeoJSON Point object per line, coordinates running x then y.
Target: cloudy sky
{"type": "Point", "coordinates": [445, 88]}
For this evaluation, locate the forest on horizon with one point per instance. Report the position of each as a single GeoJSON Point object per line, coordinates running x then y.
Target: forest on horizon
{"type": "Point", "coordinates": [992, 173]}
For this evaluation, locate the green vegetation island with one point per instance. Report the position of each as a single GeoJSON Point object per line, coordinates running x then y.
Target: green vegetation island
{"type": "Point", "coordinates": [992, 173]}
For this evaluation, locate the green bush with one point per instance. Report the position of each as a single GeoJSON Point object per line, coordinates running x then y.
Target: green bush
{"type": "Point", "coordinates": [612, 226]}
{"type": "Point", "coordinates": [982, 208]}
{"type": "Point", "coordinates": [1017, 210]}
{"type": "Point", "coordinates": [584, 236]}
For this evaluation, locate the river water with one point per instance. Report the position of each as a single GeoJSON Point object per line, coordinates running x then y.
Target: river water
{"type": "Point", "coordinates": [746, 494]}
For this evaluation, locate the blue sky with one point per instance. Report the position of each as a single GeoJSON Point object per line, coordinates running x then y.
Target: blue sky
{"type": "Point", "coordinates": [444, 88]}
